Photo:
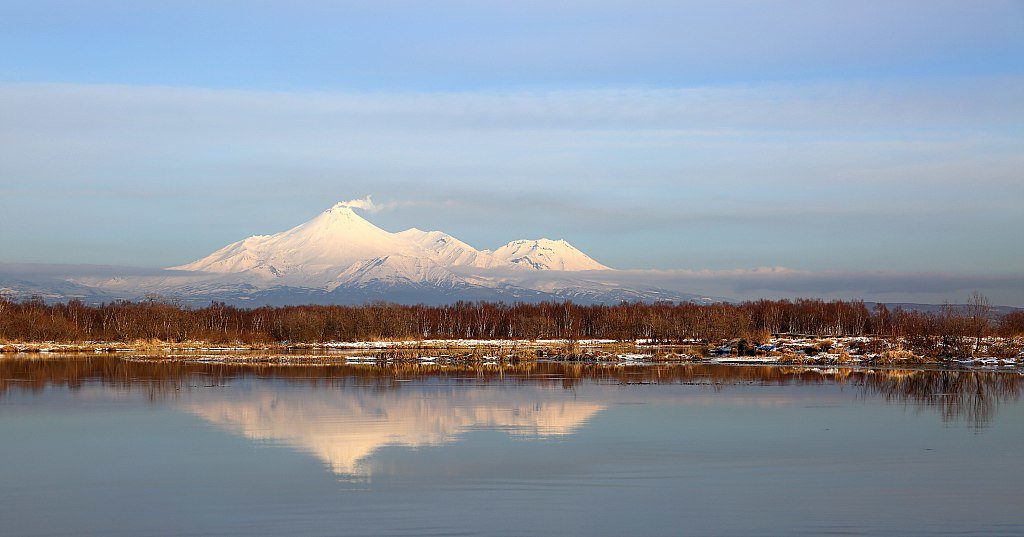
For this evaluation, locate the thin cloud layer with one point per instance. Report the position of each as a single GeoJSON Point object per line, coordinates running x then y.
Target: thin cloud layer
{"type": "Point", "coordinates": [891, 175]}
{"type": "Point", "coordinates": [733, 284]}
{"type": "Point", "coordinates": [879, 286]}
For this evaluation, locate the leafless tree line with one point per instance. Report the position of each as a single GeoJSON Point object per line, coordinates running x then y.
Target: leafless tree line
{"type": "Point", "coordinates": [957, 328]}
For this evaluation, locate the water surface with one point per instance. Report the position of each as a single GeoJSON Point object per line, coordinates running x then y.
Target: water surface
{"type": "Point", "coordinates": [115, 446]}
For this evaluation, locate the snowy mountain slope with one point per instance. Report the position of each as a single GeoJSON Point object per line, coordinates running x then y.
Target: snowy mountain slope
{"type": "Point", "coordinates": [396, 270]}
{"type": "Point", "coordinates": [50, 288]}
{"type": "Point", "coordinates": [546, 254]}
{"type": "Point", "coordinates": [360, 286]}
{"type": "Point", "coordinates": [449, 251]}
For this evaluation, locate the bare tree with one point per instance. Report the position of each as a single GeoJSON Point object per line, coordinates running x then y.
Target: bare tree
{"type": "Point", "coordinates": [979, 310]}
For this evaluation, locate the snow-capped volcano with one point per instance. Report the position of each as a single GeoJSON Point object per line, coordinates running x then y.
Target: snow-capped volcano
{"type": "Point", "coordinates": [340, 247]}
{"type": "Point", "coordinates": [339, 257]}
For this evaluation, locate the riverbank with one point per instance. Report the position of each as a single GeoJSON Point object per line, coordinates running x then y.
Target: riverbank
{"type": "Point", "coordinates": [780, 349]}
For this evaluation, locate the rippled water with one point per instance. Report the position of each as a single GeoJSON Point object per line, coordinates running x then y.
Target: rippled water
{"type": "Point", "coordinates": [115, 446]}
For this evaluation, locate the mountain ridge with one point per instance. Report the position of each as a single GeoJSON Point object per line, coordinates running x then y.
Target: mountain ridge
{"type": "Point", "coordinates": [339, 257]}
{"type": "Point", "coordinates": [340, 241]}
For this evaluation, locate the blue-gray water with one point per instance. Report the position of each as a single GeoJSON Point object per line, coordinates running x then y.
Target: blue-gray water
{"type": "Point", "coordinates": [105, 446]}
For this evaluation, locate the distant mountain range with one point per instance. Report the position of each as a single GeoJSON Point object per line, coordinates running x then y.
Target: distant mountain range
{"type": "Point", "coordinates": [339, 257]}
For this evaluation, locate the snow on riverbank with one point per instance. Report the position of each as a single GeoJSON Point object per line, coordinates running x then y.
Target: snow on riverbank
{"type": "Point", "coordinates": [992, 352]}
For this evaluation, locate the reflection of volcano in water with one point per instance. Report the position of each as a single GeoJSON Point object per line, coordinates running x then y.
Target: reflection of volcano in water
{"type": "Point", "coordinates": [345, 427]}
{"type": "Point", "coordinates": [971, 396]}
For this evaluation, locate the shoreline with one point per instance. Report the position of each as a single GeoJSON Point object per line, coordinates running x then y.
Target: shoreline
{"type": "Point", "coordinates": [779, 350]}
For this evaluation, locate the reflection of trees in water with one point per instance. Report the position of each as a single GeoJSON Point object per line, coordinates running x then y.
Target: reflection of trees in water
{"type": "Point", "coordinates": [973, 396]}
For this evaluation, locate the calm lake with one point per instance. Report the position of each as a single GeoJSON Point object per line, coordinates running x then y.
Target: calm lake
{"type": "Point", "coordinates": [108, 445]}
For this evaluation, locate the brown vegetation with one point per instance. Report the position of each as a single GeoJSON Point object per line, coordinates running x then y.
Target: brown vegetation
{"type": "Point", "coordinates": [955, 332]}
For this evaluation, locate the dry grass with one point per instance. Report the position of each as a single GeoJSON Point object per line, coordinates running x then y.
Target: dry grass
{"type": "Point", "coordinates": [759, 337]}
{"type": "Point", "coordinates": [893, 356]}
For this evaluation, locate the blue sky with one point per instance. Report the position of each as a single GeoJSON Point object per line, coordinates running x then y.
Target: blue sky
{"type": "Point", "coordinates": [817, 136]}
